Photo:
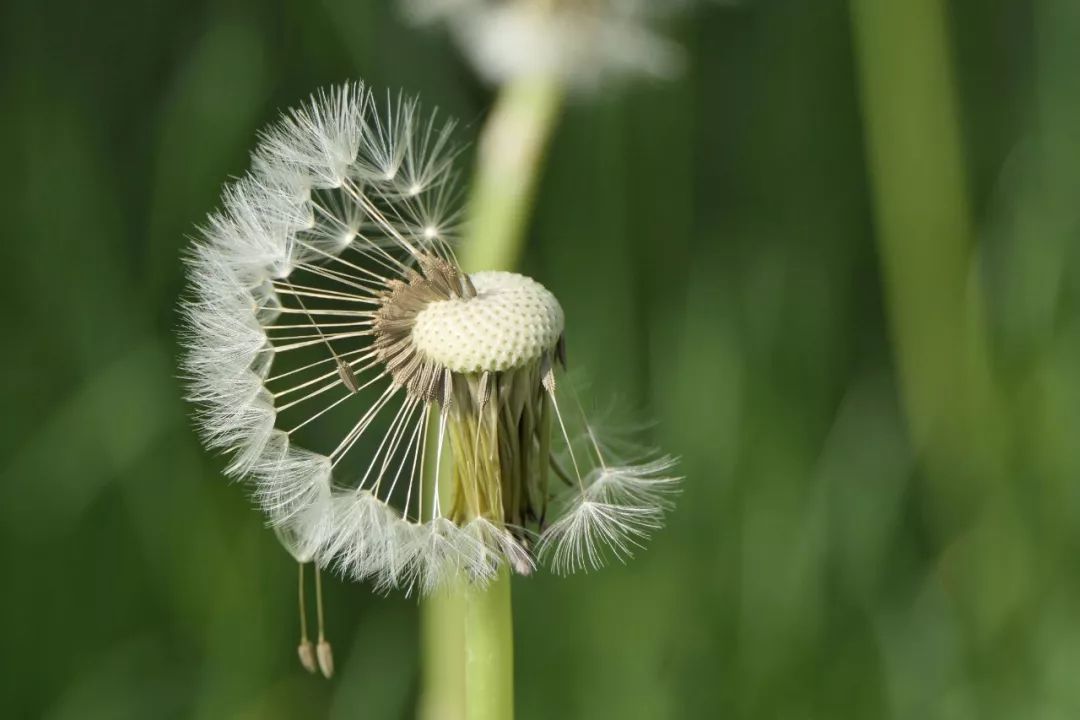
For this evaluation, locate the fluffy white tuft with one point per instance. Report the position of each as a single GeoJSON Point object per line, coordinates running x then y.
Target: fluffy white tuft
{"type": "Point", "coordinates": [317, 143]}
{"type": "Point", "coordinates": [614, 511]}
{"type": "Point", "coordinates": [646, 485]}
{"type": "Point", "coordinates": [590, 532]}
{"type": "Point", "coordinates": [498, 546]}
{"type": "Point", "coordinates": [357, 536]}
{"type": "Point", "coordinates": [444, 551]}
{"type": "Point", "coordinates": [289, 479]}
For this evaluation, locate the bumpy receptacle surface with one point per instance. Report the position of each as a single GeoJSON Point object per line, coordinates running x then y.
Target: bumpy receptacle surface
{"type": "Point", "coordinates": [512, 321]}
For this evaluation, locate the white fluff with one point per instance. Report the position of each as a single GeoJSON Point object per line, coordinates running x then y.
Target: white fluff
{"type": "Point", "coordinates": [289, 479]}
{"type": "Point", "coordinates": [360, 530]}
{"type": "Point", "coordinates": [444, 551]}
{"type": "Point", "coordinates": [612, 513]}
{"type": "Point", "coordinates": [589, 532]}
{"type": "Point", "coordinates": [497, 546]}
{"type": "Point", "coordinates": [646, 485]}
{"type": "Point", "coordinates": [319, 140]}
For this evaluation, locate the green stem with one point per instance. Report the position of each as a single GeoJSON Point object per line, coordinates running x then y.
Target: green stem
{"type": "Point", "coordinates": [489, 651]}
{"type": "Point", "coordinates": [442, 625]}
{"type": "Point", "coordinates": [511, 151]}
{"type": "Point", "coordinates": [442, 657]}
{"type": "Point", "coordinates": [467, 633]}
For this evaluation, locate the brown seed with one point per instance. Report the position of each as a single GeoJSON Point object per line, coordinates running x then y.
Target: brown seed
{"type": "Point", "coordinates": [306, 652]}
{"type": "Point", "coordinates": [345, 372]}
{"type": "Point", "coordinates": [326, 659]}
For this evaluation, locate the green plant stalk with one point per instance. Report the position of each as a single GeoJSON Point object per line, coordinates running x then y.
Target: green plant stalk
{"type": "Point", "coordinates": [489, 651]}
{"type": "Point", "coordinates": [926, 245]}
{"type": "Point", "coordinates": [510, 155]}
{"type": "Point", "coordinates": [442, 658]}
{"type": "Point", "coordinates": [467, 633]}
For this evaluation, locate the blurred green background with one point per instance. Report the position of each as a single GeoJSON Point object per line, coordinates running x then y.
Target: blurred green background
{"type": "Point", "coordinates": [860, 329]}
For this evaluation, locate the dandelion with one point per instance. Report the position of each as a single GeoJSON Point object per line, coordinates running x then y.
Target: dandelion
{"type": "Point", "coordinates": [339, 354]}
{"type": "Point", "coordinates": [580, 42]}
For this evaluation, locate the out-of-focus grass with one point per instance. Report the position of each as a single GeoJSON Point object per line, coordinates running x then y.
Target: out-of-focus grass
{"type": "Point", "coordinates": [714, 244]}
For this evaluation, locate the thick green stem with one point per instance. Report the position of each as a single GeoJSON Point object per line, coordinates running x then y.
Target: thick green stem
{"type": "Point", "coordinates": [443, 633]}
{"type": "Point", "coordinates": [489, 651]}
{"type": "Point", "coordinates": [467, 633]}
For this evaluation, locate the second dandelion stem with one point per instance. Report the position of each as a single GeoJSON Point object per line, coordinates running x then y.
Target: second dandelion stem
{"type": "Point", "coordinates": [511, 150]}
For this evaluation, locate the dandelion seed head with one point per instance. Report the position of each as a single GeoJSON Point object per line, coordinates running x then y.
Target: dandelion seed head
{"type": "Point", "coordinates": [339, 355]}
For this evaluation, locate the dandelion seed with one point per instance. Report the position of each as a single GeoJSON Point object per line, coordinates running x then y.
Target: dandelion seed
{"type": "Point", "coordinates": [323, 652]}
{"type": "Point", "coordinates": [325, 655]}
{"type": "Point", "coordinates": [306, 652]}
{"type": "Point", "coordinates": [339, 354]}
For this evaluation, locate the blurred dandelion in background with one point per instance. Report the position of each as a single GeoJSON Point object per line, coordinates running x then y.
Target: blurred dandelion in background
{"type": "Point", "coordinates": [582, 42]}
